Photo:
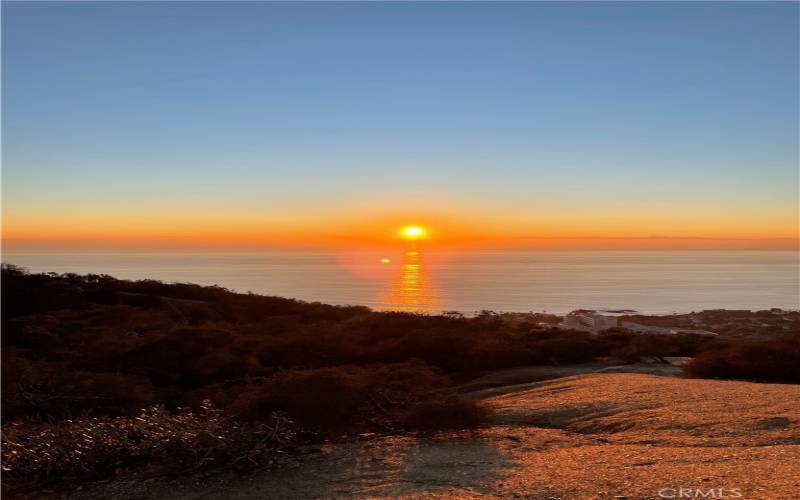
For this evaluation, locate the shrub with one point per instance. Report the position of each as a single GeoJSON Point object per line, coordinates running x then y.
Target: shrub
{"type": "Point", "coordinates": [767, 361]}
{"type": "Point", "coordinates": [40, 389]}
{"type": "Point", "coordinates": [453, 412]}
{"type": "Point", "coordinates": [658, 346]}
{"type": "Point", "coordinates": [322, 399]}
{"type": "Point", "coordinates": [193, 357]}
{"type": "Point", "coordinates": [325, 400]}
{"type": "Point", "coordinates": [96, 448]}
{"type": "Point", "coordinates": [562, 351]}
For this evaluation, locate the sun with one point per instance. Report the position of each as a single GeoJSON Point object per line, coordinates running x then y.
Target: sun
{"type": "Point", "coordinates": [413, 232]}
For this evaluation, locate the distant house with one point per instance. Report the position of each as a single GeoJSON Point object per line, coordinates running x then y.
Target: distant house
{"type": "Point", "coordinates": [588, 321]}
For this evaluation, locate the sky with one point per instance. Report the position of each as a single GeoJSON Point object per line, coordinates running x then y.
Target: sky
{"type": "Point", "coordinates": [516, 123]}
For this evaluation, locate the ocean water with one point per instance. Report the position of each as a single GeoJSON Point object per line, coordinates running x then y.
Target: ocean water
{"type": "Point", "coordinates": [418, 279]}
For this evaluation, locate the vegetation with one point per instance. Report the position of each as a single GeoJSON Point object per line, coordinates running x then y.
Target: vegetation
{"type": "Point", "coordinates": [102, 376]}
{"type": "Point", "coordinates": [94, 448]}
{"type": "Point", "coordinates": [452, 412]}
{"type": "Point", "coordinates": [775, 360]}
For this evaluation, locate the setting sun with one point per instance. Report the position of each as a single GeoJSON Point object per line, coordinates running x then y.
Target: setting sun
{"type": "Point", "coordinates": [413, 232]}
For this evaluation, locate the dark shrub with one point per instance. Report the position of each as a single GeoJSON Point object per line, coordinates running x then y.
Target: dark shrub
{"type": "Point", "coordinates": [562, 351]}
{"type": "Point", "coordinates": [25, 294]}
{"type": "Point", "coordinates": [445, 348]}
{"type": "Point", "coordinates": [767, 361]}
{"type": "Point", "coordinates": [322, 399]}
{"type": "Point", "coordinates": [193, 357]}
{"type": "Point", "coordinates": [452, 412]}
{"type": "Point", "coordinates": [612, 339]}
{"type": "Point", "coordinates": [401, 381]}
{"type": "Point", "coordinates": [40, 389]}
{"type": "Point", "coordinates": [659, 346]}
{"type": "Point", "coordinates": [338, 399]}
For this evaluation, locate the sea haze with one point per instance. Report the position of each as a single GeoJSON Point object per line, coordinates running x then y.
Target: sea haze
{"type": "Point", "coordinates": [417, 279]}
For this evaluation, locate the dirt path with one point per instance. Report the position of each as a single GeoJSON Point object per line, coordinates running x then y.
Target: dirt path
{"type": "Point", "coordinates": [594, 436]}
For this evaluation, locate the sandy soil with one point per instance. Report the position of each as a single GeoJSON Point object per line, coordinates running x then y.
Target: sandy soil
{"type": "Point", "coordinates": [594, 436]}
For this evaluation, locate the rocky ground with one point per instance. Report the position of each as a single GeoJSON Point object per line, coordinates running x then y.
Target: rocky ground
{"type": "Point", "coordinates": [591, 436]}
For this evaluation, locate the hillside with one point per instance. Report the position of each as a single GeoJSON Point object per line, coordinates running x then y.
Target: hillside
{"type": "Point", "coordinates": [593, 436]}
{"type": "Point", "coordinates": [114, 380]}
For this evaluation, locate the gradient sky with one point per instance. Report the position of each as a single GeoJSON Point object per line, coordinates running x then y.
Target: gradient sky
{"type": "Point", "coordinates": [268, 122]}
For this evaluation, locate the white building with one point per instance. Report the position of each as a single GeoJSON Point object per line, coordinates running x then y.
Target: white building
{"type": "Point", "coordinates": [588, 321]}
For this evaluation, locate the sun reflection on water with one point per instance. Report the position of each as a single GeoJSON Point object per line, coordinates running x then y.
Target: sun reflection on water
{"type": "Point", "coordinates": [411, 288]}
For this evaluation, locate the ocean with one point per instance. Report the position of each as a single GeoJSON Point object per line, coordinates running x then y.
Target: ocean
{"type": "Point", "coordinates": [422, 280]}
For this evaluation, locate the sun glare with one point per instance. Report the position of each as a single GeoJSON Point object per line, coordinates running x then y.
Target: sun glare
{"type": "Point", "coordinates": [413, 232]}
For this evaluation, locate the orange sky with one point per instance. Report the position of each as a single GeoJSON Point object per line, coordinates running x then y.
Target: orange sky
{"type": "Point", "coordinates": [149, 229]}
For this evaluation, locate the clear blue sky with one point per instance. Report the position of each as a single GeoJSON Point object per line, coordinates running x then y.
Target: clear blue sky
{"type": "Point", "coordinates": [256, 108]}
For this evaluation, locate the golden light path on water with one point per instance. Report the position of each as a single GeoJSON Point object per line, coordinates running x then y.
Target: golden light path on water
{"type": "Point", "coordinates": [411, 288]}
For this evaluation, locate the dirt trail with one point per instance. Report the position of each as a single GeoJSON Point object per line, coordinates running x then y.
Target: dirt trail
{"type": "Point", "coordinates": [595, 436]}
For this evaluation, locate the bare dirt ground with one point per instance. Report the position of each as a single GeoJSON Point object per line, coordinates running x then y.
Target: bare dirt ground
{"type": "Point", "coordinates": [593, 436]}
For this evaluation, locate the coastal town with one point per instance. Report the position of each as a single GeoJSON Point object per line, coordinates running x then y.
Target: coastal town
{"type": "Point", "coordinates": [724, 323]}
